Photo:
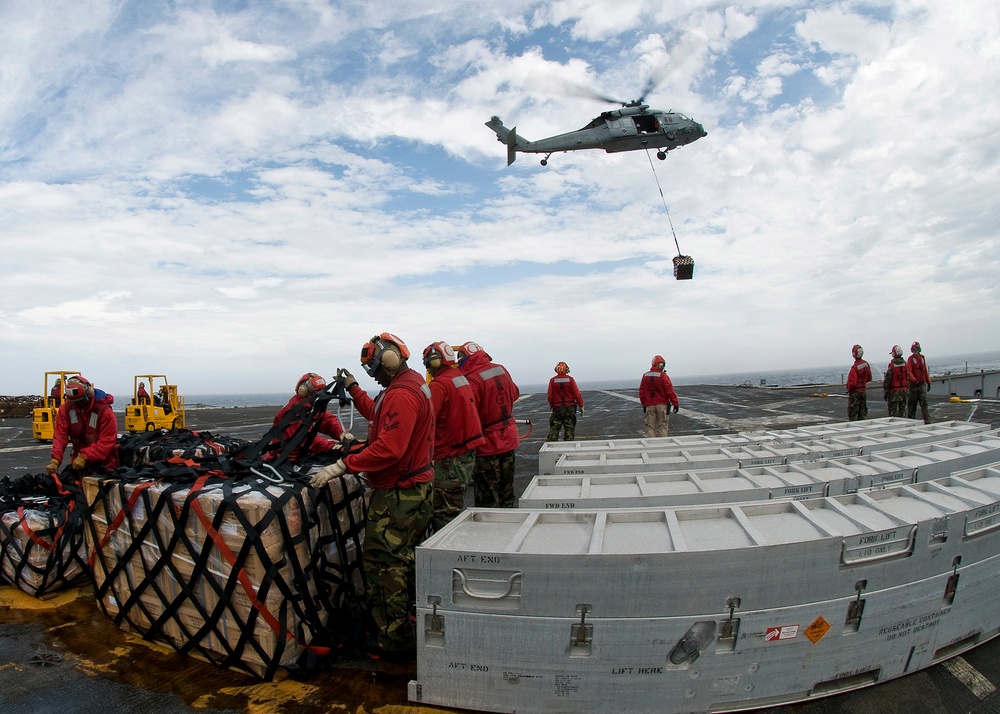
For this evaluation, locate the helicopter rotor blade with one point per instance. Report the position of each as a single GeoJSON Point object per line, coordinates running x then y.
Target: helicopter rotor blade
{"type": "Point", "coordinates": [551, 84]}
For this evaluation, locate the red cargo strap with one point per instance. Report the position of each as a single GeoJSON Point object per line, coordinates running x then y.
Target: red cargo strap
{"type": "Point", "coordinates": [244, 579]}
{"type": "Point", "coordinates": [117, 520]}
{"type": "Point", "coordinates": [55, 539]}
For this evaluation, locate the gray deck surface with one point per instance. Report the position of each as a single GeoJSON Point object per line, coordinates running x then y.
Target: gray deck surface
{"type": "Point", "coordinates": [98, 668]}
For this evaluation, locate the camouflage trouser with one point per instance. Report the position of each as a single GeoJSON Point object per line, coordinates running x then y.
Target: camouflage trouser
{"type": "Point", "coordinates": [451, 479]}
{"type": "Point", "coordinates": [397, 520]}
{"type": "Point", "coordinates": [917, 395]}
{"type": "Point", "coordinates": [857, 406]}
{"type": "Point", "coordinates": [563, 418]}
{"type": "Point", "coordinates": [658, 420]}
{"type": "Point", "coordinates": [494, 480]}
{"type": "Point", "coordinates": [897, 403]}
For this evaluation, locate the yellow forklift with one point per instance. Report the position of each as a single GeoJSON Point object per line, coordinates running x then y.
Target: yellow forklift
{"type": "Point", "coordinates": [155, 404]}
{"type": "Point", "coordinates": [43, 418]}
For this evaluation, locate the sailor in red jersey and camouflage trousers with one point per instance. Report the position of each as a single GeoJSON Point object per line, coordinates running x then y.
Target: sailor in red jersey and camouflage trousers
{"type": "Point", "coordinates": [896, 383]}
{"type": "Point", "coordinates": [495, 397]}
{"type": "Point", "coordinates": [564, 397]}
{"type": "Point", "coordinates": [397, 462]}
{"type": "Point", "coordinates": [86, 420]}
{"type": "Point", "coordinates": [457, 433]}
{"type": "Point", "coordinates": [920, 382]}
{"type": "Point", "coordinates": [857, 386]}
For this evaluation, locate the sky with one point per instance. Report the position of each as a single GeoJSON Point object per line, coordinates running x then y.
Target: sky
{"type": "Point", "coordinates": [234, 193]}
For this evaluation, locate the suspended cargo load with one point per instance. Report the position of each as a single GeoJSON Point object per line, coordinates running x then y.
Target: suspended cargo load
{"type": "Point", "coordinates": [705, 609]}
{"type": "Point", "coordinates": [799, 479]}
{"type": "Point", "coordinates": [244, 573]}
{"type": "Point", "coordinates": [550, 452]}
{"type": "Point", "coordinates": [759, 454]}
{"type": "Point", "coordinates": [41, 533]}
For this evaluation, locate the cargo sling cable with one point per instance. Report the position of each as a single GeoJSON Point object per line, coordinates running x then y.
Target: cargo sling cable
{"type": "Point", "coordinates": [683, 264]}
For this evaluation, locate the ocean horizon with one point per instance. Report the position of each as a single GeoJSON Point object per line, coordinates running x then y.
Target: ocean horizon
{"type": "Point", "coordinates": [830, 375]}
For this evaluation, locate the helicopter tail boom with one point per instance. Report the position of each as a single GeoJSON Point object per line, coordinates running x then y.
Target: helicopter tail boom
{"type": "Point", "coordinates": [506, 136]}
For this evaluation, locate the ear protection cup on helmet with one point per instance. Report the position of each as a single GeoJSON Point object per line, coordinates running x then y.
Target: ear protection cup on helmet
{"type": "Point", "coordinates": [439, 354]}
{"type": "Point", "coordinates": [376, 352]}
{"type": "Point", "coordinates": [391, 359]}
{"type": "Point", "coordinates": [309, 383]}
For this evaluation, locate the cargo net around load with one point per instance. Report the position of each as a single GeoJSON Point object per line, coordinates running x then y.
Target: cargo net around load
{"type": "Point", "coordinates": [233, 558]}
{"type": "Point", "coordinates": [152, 446]}
{"type": "Point", "coordinates": [42, 545]}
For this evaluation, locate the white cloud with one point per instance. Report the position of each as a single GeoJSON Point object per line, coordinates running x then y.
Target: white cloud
{"type": "Point", "coordinates": [239, 179]}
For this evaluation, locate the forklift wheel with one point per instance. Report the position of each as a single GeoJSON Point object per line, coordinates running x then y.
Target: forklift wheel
{"type": "Point", "coordinates": [150, 426]}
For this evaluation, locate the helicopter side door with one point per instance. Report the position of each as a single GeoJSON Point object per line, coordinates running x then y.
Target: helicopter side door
{"type": "Point", "coordinates": [621, 127]}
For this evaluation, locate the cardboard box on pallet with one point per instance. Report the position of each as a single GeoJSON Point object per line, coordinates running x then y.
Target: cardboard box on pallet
{"type": "Point", "coordinates": [245, 538]}
{"type": "Point", "coordinates": [29, 559]}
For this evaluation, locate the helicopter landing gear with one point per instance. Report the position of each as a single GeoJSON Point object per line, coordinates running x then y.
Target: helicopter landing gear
{"type": "Point", "coordinates": [545, 161]}
{"type": "Point", "coordinates": [661, 155]}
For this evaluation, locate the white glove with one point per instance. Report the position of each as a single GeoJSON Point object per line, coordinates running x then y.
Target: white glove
{"type": "Point", "coordinates": [346, 438]}
{"type": "Point", "coordinates": [326, 474]}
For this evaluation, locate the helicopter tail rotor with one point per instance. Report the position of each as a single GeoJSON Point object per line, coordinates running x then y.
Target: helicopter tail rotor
{"type": "Point", "coordinates": [512, 146]}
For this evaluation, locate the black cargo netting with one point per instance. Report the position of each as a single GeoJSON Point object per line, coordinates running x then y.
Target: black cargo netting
{"type": "Point", "coordinates": [41, 533]}
{"type": "Point", "coordinates": [151, 446]}
{"type": "Point", "coordinates": [233, 557]}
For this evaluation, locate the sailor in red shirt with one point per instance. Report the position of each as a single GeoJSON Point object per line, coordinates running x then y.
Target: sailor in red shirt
{"type": "Point", "coordinates": [857, 386]}
{"type": "Point", "coordinates": [656, 394]}
{"type": "Point", "coordinates": [495, 397]}
{"type": "Point", "coordinates": [564, 397]}
{"type": "Point", "coordinates": [457, 432]}
{"type": "Point", "coordinates": [86, 420]}
{"type": "Point", "coordinates": [920, 382]}
{"type": "Point", "coordinates": [895, 383]}
{"type": "Point", "coordinates": [329, 424]}
{"type": "Point", "coordinates": [397, 460]}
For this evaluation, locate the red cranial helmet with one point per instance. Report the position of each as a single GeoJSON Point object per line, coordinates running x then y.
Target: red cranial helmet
{"type": "Point", "coordinates": [857, 351]}
{"type": "Point", "coordinates": [562, 368]}
{"type": "Point", "coordinates": [915, 347]}
{"type": "Point", "coordinates": [78, 389]}
{"type": "Point", "coordinates": [309, 383]}
{"type": "Point", "coordinates": [897, 351]}
{"type": "Point", "coordinates": [658, 361]}
{"type": "Point", "coordinates": [438, 354]}
{"type": "Point", "coordinates": [377, 351]}
{"type": "Point", "coordinates": [467, 349]}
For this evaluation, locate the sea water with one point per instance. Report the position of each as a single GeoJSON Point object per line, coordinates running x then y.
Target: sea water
{"type": "Point", "coordinates": [956, 364]}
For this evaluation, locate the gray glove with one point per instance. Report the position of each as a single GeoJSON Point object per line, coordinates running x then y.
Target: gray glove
{"type": "Point", "coordinates": [326, 474]}
{"type": "Point", "coordinates": [349, 380]}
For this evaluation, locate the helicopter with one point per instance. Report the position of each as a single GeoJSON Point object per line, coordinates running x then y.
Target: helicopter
{"type": "Point", "coordinates": [632, 127]}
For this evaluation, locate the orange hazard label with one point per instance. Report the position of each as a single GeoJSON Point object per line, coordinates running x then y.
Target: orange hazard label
{"type": "Point", "coordinates": [817, 629]}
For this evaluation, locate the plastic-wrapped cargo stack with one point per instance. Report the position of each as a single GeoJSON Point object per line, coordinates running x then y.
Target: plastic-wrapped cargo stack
{"type": "Point", "coordinates": [241, 572]}
{"type": "Point", "coordinates": [41, 533]}
{"type": "Point", "coordinates": [224, 552]}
